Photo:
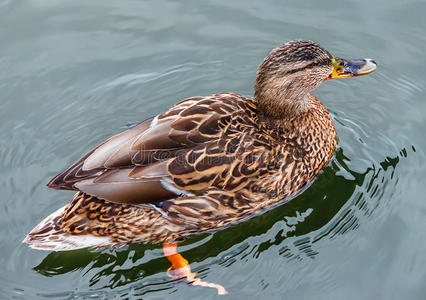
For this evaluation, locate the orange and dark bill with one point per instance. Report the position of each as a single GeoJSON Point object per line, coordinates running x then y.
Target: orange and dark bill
{"type": "Point", "coordinates": [343, 68]}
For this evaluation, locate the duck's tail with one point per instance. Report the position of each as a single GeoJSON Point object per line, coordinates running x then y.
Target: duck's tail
{"type": "Point", "coordinates": [50, 234]}
{"type": "Point", "coordinates": [88, 221]}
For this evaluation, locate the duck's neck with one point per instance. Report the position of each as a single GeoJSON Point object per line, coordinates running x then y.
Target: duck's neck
{"type": "Point", "coordinates": [282, 104]}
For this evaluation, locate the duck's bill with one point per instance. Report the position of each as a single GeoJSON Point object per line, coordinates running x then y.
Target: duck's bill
{"type": "Point", "coordinates": [343, 68]}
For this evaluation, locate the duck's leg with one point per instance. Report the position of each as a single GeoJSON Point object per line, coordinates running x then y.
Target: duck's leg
{"type": "Point", "coordinates": [180, 266]}
{"type": "Point", "coordinates": [180, 269]}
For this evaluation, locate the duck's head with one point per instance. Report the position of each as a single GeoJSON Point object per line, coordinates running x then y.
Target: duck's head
{"type": "Point", "coordinates": [295, 68]}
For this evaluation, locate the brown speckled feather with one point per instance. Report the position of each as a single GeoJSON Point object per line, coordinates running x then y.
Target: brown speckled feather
{"type": "Point", "coordinates": [205, 163]}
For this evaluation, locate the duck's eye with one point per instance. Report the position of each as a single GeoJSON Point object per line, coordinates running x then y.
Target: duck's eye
{"type": "Point", "coordinates": [310, 66]}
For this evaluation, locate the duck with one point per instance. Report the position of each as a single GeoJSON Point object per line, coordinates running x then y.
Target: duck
{"type": "Point", "coordinates": [204, 164]}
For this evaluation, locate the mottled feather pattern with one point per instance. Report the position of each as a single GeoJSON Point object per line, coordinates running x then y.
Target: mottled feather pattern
{"type": "Point", "coordinates": [205, 163]}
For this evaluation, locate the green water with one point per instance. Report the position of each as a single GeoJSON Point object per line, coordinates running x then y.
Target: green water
{"type": "Point", "coordinates": [73, 73]}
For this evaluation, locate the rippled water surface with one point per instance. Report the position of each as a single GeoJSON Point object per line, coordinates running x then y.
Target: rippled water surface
{"type": "Point", "coordinates": [73, 73]}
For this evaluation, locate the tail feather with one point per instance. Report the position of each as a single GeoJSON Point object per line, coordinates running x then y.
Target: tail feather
{"type": "Point", "coordinates": [48, 235]}
{"type": "Point", "coordinates": [88, 221]}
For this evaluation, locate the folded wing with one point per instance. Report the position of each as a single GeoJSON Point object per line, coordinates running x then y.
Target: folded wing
{"type": "Point", "coordinates": [197, 143]}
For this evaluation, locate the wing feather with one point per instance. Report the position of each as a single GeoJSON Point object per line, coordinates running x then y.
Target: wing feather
{"type": "Point", "coordinates": [198, 143]}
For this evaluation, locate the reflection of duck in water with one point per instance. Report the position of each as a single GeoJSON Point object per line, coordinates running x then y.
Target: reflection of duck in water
{"type": "Point", "coordinates": [205, 163]}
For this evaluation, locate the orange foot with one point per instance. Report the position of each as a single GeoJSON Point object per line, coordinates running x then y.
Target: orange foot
{"type": "Point", "coordinates": [180, 269]}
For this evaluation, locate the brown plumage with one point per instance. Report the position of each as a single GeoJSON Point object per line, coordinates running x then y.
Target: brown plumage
{"type": "Point", "coordinates": [205, 163]}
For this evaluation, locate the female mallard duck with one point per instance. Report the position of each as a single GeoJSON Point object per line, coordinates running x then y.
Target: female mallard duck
{"type": "Point", "coordinates": [205, 163]}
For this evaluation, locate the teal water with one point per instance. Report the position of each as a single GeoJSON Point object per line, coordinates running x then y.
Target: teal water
{"type": "Point", "coordinates": [74, 73]}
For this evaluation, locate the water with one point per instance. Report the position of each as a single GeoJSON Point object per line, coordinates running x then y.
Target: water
{"type": "Point", "coordinates": [75, 73]}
